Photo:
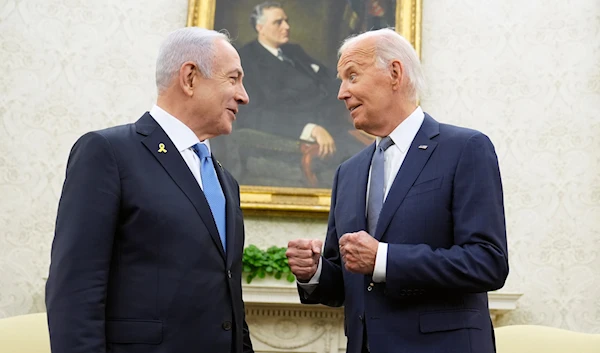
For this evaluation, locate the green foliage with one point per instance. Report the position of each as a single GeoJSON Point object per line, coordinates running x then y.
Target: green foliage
{"type": "Point", "coordinates": [260, 263]}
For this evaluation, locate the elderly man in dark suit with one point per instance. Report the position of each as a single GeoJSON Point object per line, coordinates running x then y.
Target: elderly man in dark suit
{"type": "Point", "coordinates": [416, 235]}
{"type": "Point", "coordinates": [293, 95]}
{"type": "Point", "coordinates": [147, 253]}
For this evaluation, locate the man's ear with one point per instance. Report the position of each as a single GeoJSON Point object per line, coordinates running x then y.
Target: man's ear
{"type": "Point", "coordinates": [188, 77]}
{"type": "Point", "coordinates": [396, 73]}
{"type": "Point", "coordinates": [258, 28]}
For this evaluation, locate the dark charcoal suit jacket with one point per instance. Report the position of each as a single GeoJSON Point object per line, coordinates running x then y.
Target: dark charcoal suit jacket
{"type": "Point", "coordinates": [137, 265]}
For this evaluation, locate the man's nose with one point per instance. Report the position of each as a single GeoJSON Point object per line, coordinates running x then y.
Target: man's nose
{"type": "Point", "coordinates": [343, 92]}
{"type": "Point", "coordinates": [242, 96]}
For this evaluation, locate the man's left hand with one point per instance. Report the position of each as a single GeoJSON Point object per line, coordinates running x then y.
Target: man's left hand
{"type": "Point", "coordinates": [359, 251]}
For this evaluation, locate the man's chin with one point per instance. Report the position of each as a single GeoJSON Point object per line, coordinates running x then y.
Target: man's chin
{"type": "Point", "coordinates": [358, 124]}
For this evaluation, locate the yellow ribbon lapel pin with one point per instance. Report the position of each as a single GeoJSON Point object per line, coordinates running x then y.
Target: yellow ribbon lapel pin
{"type": "Point", "coordinates": [161, 148]}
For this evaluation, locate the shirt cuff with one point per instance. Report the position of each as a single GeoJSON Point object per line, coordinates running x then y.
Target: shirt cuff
{"type": "Point", "coordinates": [312, 284]}
{"type": "Point", "coordinates": [307, 132]}
{"type": "Point", "coordinates": [380, 263]}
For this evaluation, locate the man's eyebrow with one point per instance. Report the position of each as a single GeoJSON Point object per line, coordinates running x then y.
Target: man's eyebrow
{"type": "Point", "coordinates": [239, 72]}
{"type": "Point", "coordinates": [351, 67]}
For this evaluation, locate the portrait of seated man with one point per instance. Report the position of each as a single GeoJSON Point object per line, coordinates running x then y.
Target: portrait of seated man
{"type": "Point", "coordinates": [295, 131]}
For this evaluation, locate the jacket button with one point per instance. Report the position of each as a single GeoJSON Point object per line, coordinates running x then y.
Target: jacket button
{"type": "Point", "coordinates": [226, 325]}
{"type": "Point", "coordinates": [360, 317]}
{"type": "Point", "coordinates": [228, 273]}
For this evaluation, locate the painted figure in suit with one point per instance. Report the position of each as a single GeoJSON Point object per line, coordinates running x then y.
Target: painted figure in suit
{"type": "Point", "coordinates": [147, 253]}
{"type": "Point", "coordinates": [293, 95]}
{"type": "Point", "coordinates": [416, 235]}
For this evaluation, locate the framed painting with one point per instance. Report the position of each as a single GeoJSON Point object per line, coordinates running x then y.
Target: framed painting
{"type": "Point", "coordinates": [287, 143]}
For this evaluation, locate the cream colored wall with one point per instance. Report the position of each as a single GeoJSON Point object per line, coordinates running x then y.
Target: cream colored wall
{"type": "Point", "coordinates": [528, 74]}
{"type": "Point", "coordinates": [68, 66]}
{"type": "Point", "coordinates": [525, 73]}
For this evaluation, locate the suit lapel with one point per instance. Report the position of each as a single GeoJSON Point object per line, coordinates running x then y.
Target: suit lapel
{"type": "Point", "coordinates": [363, 164]}
{"type": "Point", "coordinates": [300, 64]}
{"type": "Point", "coordinates": [230, 209]}
{"type": "Point", "coordinates": [413, 164]}
{"type": "Point", "coordinates": [269, 61]}
{"type": "Point", "coordinates": [179, 172]}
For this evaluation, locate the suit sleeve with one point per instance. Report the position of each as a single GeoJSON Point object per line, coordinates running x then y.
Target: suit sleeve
{"type": "Point", "coordinates": [246, 340]}
{"type": "Point", "coordinates": [478, 260]}
{"type": "Point", "coordinates": [330, 290]}
{"type": "Point", "coordinates": [86, 223]}
{"type": "Point", "coordinates": [247, 343]}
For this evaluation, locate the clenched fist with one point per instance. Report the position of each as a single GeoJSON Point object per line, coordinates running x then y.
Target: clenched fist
{"type": "Point", "coordinates": [303, 256]}
{"type": "Point", "coordinates": [359, 251]}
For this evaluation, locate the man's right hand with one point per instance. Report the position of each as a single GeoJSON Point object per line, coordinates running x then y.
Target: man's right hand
{"type": "Point", "coordinates": [324, 140]}
{"type": "Point", "coordinates": [303, 256]}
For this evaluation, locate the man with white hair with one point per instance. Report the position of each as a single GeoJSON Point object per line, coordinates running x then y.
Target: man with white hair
{"type": "Point", "coordinates": [416, 235]}
{"type": "Point", "coordinates": [147, 253]}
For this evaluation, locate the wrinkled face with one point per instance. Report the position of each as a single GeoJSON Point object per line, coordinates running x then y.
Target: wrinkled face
{"type": "Point", "coordinates": [217, 98]}
{"type": "Point", "coordinates": [365, 88]}
{"type": "Point", "coordinates": [276, 29]}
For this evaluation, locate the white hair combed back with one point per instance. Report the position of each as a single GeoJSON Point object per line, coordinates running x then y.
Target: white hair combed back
{"type": "Point", "coordinates": [186, 44]}
{"type": "Point", "coordinates": [389, 46]}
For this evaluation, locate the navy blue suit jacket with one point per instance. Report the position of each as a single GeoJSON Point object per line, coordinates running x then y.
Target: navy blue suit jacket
{"type": "Point", "coordinates": [137, 265]}
{"type": "Point", "coordinates": [444, 222]}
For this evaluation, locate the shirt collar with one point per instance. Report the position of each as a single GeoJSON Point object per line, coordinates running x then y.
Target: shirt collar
{"type": "Point", "coordinates": [269, 48]}
{"type": "Point", "coordinates": [181, 135]}
{"type": "Point", "coordinates": [405, 133]}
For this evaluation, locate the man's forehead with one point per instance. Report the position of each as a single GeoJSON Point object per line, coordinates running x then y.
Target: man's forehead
{"type": "Point", "coordinates": [227, 59]}
{"type": "Point", "coordinates": [274, 13]}
{"type": "Point", "coordinates": [359, 55]}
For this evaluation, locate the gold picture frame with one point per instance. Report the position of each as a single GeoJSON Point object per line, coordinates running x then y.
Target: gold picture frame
{"type": "Point", "coordinates": [299, 201]}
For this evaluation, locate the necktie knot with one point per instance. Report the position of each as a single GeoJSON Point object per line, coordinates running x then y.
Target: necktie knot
{"type": "Point", "coordinates": [284, 58]}
{"type": "Point", "coordinates": [385, 143]}
{"type": "Point", "coordinates": [201, 151]}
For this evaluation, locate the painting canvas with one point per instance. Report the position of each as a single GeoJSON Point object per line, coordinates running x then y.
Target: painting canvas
{"type": "Point", "coordinates": [287, 143]}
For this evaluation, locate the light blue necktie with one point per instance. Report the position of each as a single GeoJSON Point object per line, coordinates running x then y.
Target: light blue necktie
{"type": "Point", "coordinates": [377, 186]}
{"type": "Point", "coordinates": [212, 189]}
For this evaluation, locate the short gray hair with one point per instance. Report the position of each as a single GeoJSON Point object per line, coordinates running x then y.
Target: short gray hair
{"type": "Point", "coordinates": [390, 45]}
{"type": "Point", "coordinates": [186, 44]}
{"type": "Point", "coordinates": [257, 16]}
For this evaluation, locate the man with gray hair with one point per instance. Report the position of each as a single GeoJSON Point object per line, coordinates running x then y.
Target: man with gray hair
{"type": "Point", "coordinates": [147, 252]}
{"type": "Point", "coordinates": [411, 258]}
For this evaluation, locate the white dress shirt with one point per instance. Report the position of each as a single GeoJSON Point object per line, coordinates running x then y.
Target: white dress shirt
{"type": "Point", "coordinates": [183, 138]}
{"type": "Point", "coordinates": [403, 136]}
